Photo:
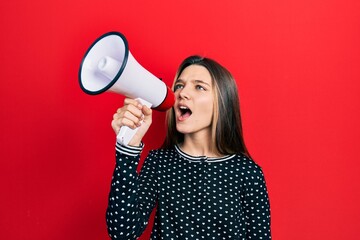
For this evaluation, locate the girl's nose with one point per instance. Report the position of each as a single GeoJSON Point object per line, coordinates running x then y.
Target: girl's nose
{"type": "Point", "coordinates": [184, 94]}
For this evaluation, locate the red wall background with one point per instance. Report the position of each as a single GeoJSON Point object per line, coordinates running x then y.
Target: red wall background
{"type": "Point", "coordinates": [297, 64]}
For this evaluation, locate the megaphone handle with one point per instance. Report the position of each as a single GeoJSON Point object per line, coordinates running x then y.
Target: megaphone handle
{"type": "Point", "coordinates": [126, 133]}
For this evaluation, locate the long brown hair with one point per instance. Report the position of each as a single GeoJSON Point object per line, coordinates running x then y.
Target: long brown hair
{"type": "Point", "coordinates": [227, 133]}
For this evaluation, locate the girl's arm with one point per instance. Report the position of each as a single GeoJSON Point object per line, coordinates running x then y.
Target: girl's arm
{"type": "Point", "coordinates": [132, 196]}
{"type": "Point", "coordinates": [257, 206]}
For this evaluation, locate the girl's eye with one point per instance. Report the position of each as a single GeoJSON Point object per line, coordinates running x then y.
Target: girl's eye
{"type": "Point", "coordinates": [178, 86]}
{"type": "Point", "coordinates": [199, 87]}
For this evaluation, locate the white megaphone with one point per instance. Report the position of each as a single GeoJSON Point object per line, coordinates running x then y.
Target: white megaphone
{"type": "Point", "coordinates": [109, 66]}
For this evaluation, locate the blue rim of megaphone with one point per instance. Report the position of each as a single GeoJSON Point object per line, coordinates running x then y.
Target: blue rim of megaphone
{"type": "Point", "coordinates": [120, 70]}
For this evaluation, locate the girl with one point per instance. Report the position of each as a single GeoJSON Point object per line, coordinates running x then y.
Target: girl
{"type": "Point", "coordinates": [202, 181]}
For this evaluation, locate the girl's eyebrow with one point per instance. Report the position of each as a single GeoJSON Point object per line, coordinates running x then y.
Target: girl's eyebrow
{"type": "Point", "coordinates": [179, 80]}
{"type": "Point", "coordinates": [195, 81]}
{"type": "Point", "coordinates": [202, 82]}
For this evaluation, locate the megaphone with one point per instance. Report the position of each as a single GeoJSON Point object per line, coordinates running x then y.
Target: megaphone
{"type": "Point", "coordinates": [108, 65]}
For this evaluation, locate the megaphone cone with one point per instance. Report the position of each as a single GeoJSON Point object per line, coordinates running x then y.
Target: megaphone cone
{"type": "Point", "coordinates": [108, 65]}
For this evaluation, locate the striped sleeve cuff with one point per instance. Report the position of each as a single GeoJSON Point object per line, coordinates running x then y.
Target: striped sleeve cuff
{"type": "Point", "coordinates": [129, 150]}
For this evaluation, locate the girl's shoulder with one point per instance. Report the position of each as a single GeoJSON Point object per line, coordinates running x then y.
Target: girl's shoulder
{"type": "Point", "coordinates": [247, 165]}
{"type": "Point", "coordinates": [162, 153]}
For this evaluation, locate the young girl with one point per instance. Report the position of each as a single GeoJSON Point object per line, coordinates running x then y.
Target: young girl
{"type": "Point", "coordinates": [202, 181]}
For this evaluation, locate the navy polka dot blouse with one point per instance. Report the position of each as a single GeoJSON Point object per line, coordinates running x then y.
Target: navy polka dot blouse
{"type": "Point", "coordinates": [195, 197]}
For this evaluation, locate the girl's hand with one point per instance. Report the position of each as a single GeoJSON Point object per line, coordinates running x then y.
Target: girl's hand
{"type": "Point", "coordinates": [133, 114]}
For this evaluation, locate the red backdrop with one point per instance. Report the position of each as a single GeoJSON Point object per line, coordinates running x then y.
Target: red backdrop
{"type": "Point", "coordinates": [297, 64]}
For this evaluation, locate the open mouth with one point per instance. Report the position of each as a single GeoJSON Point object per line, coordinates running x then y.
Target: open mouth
{"type": "Point", "coordinates": [185, 112]}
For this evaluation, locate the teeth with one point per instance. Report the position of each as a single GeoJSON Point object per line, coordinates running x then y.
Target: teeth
{"type": "Point", "coordinates": [182, 107]}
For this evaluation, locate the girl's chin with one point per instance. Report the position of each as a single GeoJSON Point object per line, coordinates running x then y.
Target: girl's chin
{"type": "Point", "coordinates": [182, 129]}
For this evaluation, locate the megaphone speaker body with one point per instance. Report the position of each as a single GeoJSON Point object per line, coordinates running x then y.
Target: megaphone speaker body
{"type": "Point", "coordinates": [108, 65]}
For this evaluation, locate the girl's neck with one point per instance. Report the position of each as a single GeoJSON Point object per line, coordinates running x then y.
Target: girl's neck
{"type": "Point", "coordinates": [199, 146]}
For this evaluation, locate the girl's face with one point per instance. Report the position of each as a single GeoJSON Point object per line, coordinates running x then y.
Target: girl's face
{"type": "Point", "coordinates": [194, 103]}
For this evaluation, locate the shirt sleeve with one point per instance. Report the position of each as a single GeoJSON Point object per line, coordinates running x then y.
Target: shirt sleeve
{"type": "Point", "coordinates": [132, 196]}
{"type": "Point", "coordinates": [257, 206]}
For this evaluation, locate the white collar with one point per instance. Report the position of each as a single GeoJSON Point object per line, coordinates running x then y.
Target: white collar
{"type": "Point", "coordinates": [202, 158]}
